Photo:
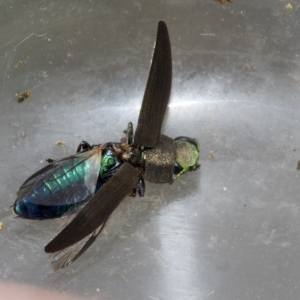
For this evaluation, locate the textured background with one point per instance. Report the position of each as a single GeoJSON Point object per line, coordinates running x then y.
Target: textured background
{"type": "Point", "coordinates": [229, 231]}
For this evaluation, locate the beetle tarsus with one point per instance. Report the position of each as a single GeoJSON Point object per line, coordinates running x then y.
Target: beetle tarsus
{"type": "Point", "coordinates": [50, 160]}
{"type": "Point", "coordinates": [140, 188]}
{"type": "Point", "coordinates": [83, 146]}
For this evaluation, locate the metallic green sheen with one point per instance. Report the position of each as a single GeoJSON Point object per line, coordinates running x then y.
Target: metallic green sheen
{"type": "Point", "coordinates": [67, 183]}
{"type": "Point", "coordinates": [187, 155]}
{"type": "Point", "coordinates": [108, 161]}
{"type": "Point", "coordinates": [66, 176]}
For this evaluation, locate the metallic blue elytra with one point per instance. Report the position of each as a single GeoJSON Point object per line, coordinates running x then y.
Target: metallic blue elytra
{"type": "Point", "coordinates": [26, 209]}
{"type": "Point", "coordinates": [65, 184]}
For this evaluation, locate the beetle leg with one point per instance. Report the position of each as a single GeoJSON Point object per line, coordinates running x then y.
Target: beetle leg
{"type": "Point", "coordinates": [140, 188]}
{"type": "Point", "coordinates": [141, 185]}
{"type": "Point", "coordinates": [50, 160]}
{"type": "Point", "coordinates": [129, 134]}
{"type": "Point", "coordinates": [83, 146]}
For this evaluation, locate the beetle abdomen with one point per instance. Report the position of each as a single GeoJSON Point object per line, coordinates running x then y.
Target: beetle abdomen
{"type": "Point", "coordinates": [26, 209]}
{"type": "Point", "coordinates": [54, 194]}
{"type": "Point", "coordinates": [65, 183]}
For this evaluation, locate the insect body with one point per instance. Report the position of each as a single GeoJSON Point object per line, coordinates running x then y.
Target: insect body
{"type": "Point", "coordinates": [89, 185]}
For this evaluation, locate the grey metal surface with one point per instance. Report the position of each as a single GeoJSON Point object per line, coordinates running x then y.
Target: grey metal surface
{"type": "Point", "coordinates": [229, 231]}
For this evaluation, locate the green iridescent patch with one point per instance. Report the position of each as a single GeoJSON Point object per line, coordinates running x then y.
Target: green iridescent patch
{"type": "Point", "coordinates": [187, 155]}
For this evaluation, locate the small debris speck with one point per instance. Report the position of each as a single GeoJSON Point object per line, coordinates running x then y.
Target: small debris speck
{"type": "Point", "coordinates": [211, 154]}
{"type": "Point", "coordinates": [288, 6]}
{"type": "Point", "coordinates": [60, 143]}
{"type": "Point", "coordinates": [18, 64]}
{"type": "Point", "coordinates": [223, 1]}
{"type": "Point", "coordinates": [23, 96]}
{"type": "Point", "coordinates": [1, 225]}
{"type": "Point", "coordinates": [298, 165]}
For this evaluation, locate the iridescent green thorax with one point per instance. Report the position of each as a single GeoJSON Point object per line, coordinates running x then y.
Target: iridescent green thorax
{"type": "Point", "coordinates": [187, 155]}
{"type": "Point", "coordinates": [108, 160]}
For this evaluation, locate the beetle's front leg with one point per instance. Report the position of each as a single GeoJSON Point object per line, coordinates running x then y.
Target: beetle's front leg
{"type": "Point", "coordinates": [83, 146]}
{"type": "Point", "coordinates": [129, 134]}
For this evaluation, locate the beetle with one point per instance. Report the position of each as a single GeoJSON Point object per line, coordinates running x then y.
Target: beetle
{"type": "Point", "coordinates": [88, 186]}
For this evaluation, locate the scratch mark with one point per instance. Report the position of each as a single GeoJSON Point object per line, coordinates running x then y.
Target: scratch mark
{"type": "Point", "coordinates": [40, 35]}
{"type": "Point", "coordinates": [10, 54]}
{"type": "Point", "coordinates": [31, 245]}
{"type": "Point", "coordinates": [30, 35]}
{"type": "Point", "coordinates": [10, 241]}
{"type": "Point", "coordinates": [8, 43]}
{"type": "Point", "coordinates": [210, 293]}
{"type": "Point", "coordinates": [269, 240]}
{"type": "Point", "coordinates": [23, 41]}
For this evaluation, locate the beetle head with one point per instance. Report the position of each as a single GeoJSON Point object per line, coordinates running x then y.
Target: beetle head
{"type": "Point", "coordinates": [187, 155]}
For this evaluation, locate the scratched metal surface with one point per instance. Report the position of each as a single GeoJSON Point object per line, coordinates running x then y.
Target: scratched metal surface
{"type": "Point", "coordinates": [229, 231]}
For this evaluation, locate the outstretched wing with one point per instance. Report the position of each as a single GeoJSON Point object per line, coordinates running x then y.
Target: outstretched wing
{"type": "Point", "coordinates": [93, 217]}
{"type": "Point", "coordinates": [59, 186]}
{"type": "Point", "coordinates": [64, 257]}
{"type": "Point", "coordinates": [157, 91]}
